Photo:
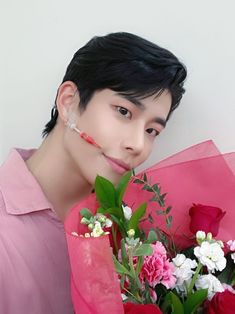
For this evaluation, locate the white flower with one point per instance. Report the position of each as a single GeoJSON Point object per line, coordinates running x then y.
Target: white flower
{"type": "Point", "coordinates": [211, 255]}
{"type": "Point", "coordinates": [97, 231]}
{"type": "Point", "coordinates": [200, 235]}
{"type": "Point", "coordinates": [182, 290]}
{"type": "Point", "coordinates": [100, 217]}
{"type": "Point", "coordinates": [233, 257]}
{"type": "Point", "coordinates": [124, 297]}
{"type": "Point", "coordinates": [231, 244]}
{"type": "Point", "coordinates": [209, 282]}
{"type": "Point", "coordinates": [183, 268]}
{"type": "Point", "coordinates": [127, 212]}
{"type": "Point", "coordinates": [108, 223]}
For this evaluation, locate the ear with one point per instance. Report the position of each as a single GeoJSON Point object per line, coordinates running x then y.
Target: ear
{"type": "Point", "coordinates": [67, 100]}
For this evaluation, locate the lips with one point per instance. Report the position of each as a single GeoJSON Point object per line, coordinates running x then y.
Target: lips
{"type": "Point", "coordinates": [118, 165]}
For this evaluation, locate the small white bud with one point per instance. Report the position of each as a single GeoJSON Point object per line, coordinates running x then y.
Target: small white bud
{"type": "Point", "coordinates": [209, 236]}
{"type": "Point", "coordinates": [131, 233]}
{"type": "Point", "coordinates": [100, 218]}
{"type": "Point", "coordinates": [74, 234]}
{"type": "Point", "coordinates": [221, 243]}
{"type": "Point", "coordinates": [200, 235]}
{"type": "Point", "coordinates": [127, 212]}
{"type": "Point", "coordinates": [97, 231]}
{"type": "Point", "coordinates": [84, 221]}
{"type": "Point", "coordinates": [108, 223]}
{"type": "Point", "coordinates": [91, 226]}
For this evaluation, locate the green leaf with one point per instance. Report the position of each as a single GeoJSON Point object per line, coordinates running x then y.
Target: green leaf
{"type": "Point", "coordinates": [150, 218]}
{"type": "Point", "coordinates": [119, 223]}
{"type": "Point", "coordinates": [146, 187]}
{"type": "Point", "coordinates": [194, 300]}
{"type": "Point", "coordinates": [172, 301]}
{"type": "Point", "coordinates": [85, 212]}
{"type": "Point", "coordinates": [136, 216]}
{"type": "Point", "coordinates": [160, 212]}
{"type": "Point", "coordinates": [139, 264]}
{"type": "Point", "coordinates": [152, 236]}
{"type": "Point", "coordinates": [154, 198]}
{"type": "Point", "coordinates": [115, 211]}
{"type": "Point", "coordinates": [120, 269]}
{"type": "Point", "coordinates": [168, 209]}
{"type": "Point", "coordinates": [121, 187]}
{"type": "Point", "coordinates": [156, 188]}
{"type": "Point", "coordinates": [168, 221]}
{"type": "Point", "coordinates": [122, 281]}
{"type": "Point", "coordinates": [145, 177]}
{"type": "Point", "coordinates": [138, 181]}
{"type": "Point", "coordinates": [105, 192]}
{"type": "Point", "coordinates": [143, 250]}
{"type": "Point", "coordinates": [101, 210]}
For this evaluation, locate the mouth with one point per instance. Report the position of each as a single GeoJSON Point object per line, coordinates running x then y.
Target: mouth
{"type": "Point", "coordinates": [118, 165]}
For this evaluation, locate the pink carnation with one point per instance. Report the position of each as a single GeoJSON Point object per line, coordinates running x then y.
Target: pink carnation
{"type": "Point", "coordinates": [157, 268]}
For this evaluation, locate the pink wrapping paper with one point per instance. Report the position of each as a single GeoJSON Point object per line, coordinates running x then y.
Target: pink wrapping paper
{"type": "Point", "coordinates": [94, 282]}
{"type": "Point", "coordinates": [199, 174]}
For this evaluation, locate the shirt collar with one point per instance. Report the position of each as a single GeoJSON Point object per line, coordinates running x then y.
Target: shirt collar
{"type": "Point", "coordinates": [21, 192]}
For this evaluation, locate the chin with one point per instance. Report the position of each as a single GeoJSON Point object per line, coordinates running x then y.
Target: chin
{"type": "Point", "coordinates": [113, 177]}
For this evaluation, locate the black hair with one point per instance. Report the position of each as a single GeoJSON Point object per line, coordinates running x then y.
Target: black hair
{"type": "Point", "coordinates": [127, 64]}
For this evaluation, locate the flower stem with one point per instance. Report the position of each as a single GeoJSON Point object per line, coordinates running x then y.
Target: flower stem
{"type": "Point", "coordinates": [132, 268]}
{"type": "Point", "coordinates": [114, 234]}
{"type": "Point", "coordinates": [150, 187]}
{"type": "Point", "coordinates": [199, 267]}
{"type": "Point", "coordinates": [136, 298]}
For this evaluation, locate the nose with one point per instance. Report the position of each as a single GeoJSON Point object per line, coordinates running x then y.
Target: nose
{"type": "Point", "coordinates": [134, 140]}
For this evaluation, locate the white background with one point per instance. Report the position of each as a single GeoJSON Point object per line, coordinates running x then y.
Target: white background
{"type": "Point", "coordinates": [39, 38]}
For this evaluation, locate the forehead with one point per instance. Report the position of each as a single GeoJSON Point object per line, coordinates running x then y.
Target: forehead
{"type": "Point", "coordinates": [140, 102]}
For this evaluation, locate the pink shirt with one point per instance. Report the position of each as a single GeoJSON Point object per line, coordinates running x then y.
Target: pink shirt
{"type": "Point", "coordinates": [34, 264]}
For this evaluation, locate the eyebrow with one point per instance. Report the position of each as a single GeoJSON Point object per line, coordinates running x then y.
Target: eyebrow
{"type": "Point", "coordinates": [141, 106]}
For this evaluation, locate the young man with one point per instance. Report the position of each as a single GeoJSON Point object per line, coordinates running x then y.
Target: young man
{"type": "Point", "coordinates": [120, 90]}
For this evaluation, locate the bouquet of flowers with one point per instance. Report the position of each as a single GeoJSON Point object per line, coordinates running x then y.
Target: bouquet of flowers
{"type": "Point", "coordinates": [128, 256]}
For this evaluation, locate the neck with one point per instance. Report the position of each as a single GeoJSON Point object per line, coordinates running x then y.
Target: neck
{"type": "Point", "coordinates": [59, 180]}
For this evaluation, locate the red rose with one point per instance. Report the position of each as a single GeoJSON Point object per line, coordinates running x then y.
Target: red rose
{"type": "Point", "coordinates": [205, 218]}
{"type": "Point", "coordinates": [132, 308]}
{"type": "Point", "coordinates": [222, 303]}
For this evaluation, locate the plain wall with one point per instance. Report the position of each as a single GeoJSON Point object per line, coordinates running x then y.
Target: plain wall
{"type": "Point", "coordinates": [39, 38]}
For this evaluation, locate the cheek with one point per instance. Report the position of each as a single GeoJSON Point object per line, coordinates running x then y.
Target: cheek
{"type": "Point", "coordinates": [104, 130]}
{"type": "Point", "coordinates": [98, 123]}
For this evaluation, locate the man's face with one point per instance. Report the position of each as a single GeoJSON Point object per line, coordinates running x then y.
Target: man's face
{"type": "Point", "coordinates": [125, 131]}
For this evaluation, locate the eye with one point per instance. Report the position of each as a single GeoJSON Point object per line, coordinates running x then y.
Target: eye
{"type": "Point", "coordinates": [124, 112]}
{"type": "Point", "coordinates": [152, 132]}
